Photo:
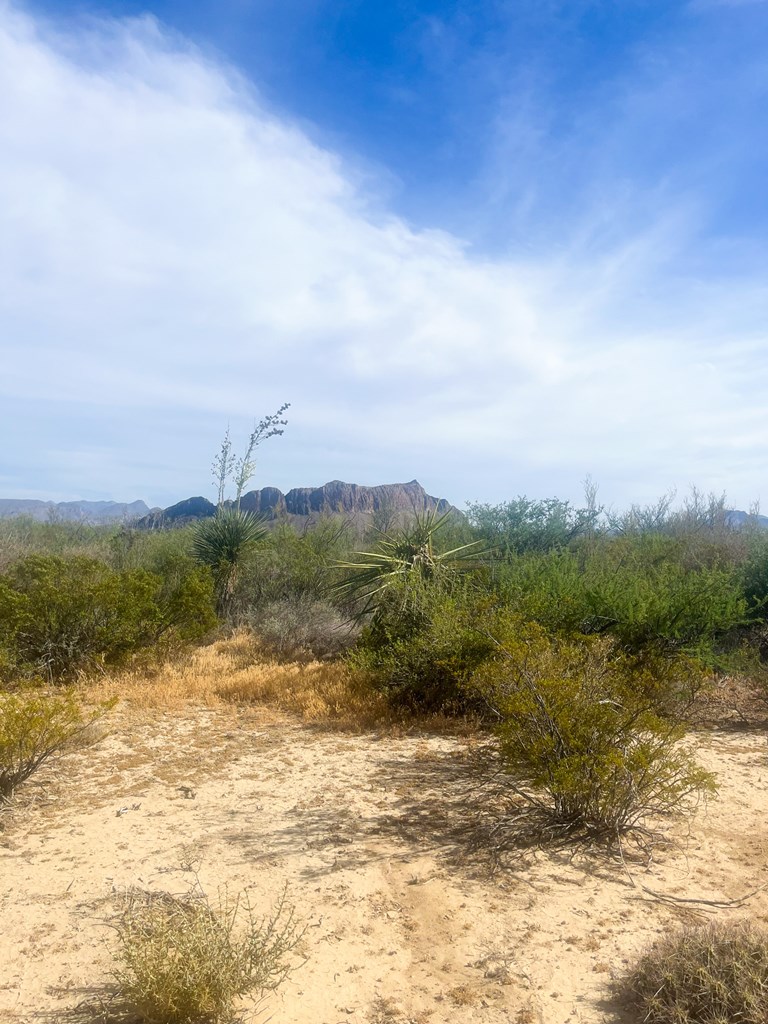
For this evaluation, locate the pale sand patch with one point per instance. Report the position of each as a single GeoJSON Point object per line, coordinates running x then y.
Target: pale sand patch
{"type": "Point", "coordinates": [403, 924]}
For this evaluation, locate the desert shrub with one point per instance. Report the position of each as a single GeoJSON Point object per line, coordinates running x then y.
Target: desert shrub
{"type": "Point", "coordinates": [292, 566]}
{"type": "Point", "coordinates": [647, 596]}
{"type": "Point", "coordinates": [549, 588]}
{"type": "Point", "coordinates": [157, 551]}
{"type": "Point", "coordinates": [21, 536]}
{"type": "Point", "coordinates": [640, 590]}
{"type": "Point", "coordinates": [717, 974]}
{"type": "Point", "coordinates": [583, 744]}
{"type": "Point", "coordinates": [183, 961]}
{"type": "Point", "coordinates": [302, 627]}
{"type": "Point", "coordinates": [65, 616]}
{"type": "Point", "coordinates": [423, 644]}
{"type": "Point", "coordinates": [34, 727]}
{"type": "Point", "coordinates": [755, 578]}
{"type": "Point", "coordinates": [10, 609]}
{"type": "Point", "coordinates": [524, 524]}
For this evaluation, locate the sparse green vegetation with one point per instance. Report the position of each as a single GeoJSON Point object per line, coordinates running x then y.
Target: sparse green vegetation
{"type": "Point", "coordinates": [583, 639]}
{"type": "Point", "coordinates": [181, 960]}
{"type": "Point", "coordinates": [34, 727]}
{"type": "Point", "coordinates": [565, 650]}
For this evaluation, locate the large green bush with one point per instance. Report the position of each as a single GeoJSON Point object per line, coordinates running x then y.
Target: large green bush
{"type": "Point", "coordinates": [755, 577]}
{"type": "Point", "coordinates": [60, 617]}
{"type": "Point", "coordinates": [640, 590]}
{"type": "Point", "coordinates": [587, 743]}
{"type": "Point", "coordinates": [423, 643]}
{"type": "Point", "coordinates": [646, 594]}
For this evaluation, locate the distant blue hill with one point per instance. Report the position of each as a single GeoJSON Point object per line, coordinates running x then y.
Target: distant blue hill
{"type": "Point", "coordinates": [734, 517]}
{"type": "Point", "coordinates": [73, 511]}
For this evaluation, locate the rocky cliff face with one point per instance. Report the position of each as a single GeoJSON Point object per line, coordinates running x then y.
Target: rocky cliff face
{"type": "Point", "coordinates": [343, 498]}
{"type": "Point", "coordinates": [306, 503]}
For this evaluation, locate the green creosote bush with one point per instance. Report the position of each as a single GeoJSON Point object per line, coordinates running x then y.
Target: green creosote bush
{"type": "Point", "coordinates": [62, 617]}
{"type": "Point", "coordinates": [639, 590]}
{"type": "Point", "coordinates": [649, 597]}
{"type": "Point", "coordinates": [183, 961]}
{"type": "Point", "coordinates": [422, 644]}
{"type": "Point", "coordinates": [34, 727]}
{"type": "Point", "coordinates": [717, 974]}
{"type": "Point", "coordinates": [590, 752]}
{"type": "Point", "coordinates": [427, 638]}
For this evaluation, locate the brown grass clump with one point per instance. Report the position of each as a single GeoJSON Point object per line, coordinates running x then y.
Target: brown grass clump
{"type": "Point", "coordinates": [712, 975]}
{"type": "Point", "coordinates": [180, 961]}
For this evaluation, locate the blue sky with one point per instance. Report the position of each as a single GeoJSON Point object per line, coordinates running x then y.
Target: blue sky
{"type": "Point", "coordinates": [496, 246]}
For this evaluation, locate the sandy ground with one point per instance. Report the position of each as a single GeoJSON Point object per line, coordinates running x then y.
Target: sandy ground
{"type": "Point", "coordinates": [371, 834]}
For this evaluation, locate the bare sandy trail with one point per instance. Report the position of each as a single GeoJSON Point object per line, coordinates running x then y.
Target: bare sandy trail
{"type": "Point", "coordinates": [403, 924]}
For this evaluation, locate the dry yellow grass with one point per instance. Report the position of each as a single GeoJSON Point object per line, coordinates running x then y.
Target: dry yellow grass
{"type": "Point", "coordinates": [234, 672]}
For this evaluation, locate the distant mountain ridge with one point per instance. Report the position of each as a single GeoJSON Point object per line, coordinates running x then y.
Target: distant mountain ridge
{"type": "Point", "coordinates": [303, 503]}
{"type": "Point", "coordinates": [94, 512]}
{"type": "Point", "coordinates": [738, 519]}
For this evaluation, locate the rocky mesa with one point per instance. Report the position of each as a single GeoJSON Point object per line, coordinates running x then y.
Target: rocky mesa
{"type": "Point", "coordinates": [306, 503]}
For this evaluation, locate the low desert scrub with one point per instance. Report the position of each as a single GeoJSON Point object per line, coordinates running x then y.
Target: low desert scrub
{"type": "Point", "coordinates": [34, 727]}
{"type": "Point", "coordinates": [589, 751]}
{"type": "Point", "coordinates": [710, 975]}
{"type": "Point", "coordinates": [184, 961]}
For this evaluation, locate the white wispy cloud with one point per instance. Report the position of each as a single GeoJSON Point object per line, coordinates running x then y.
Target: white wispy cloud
{"type": "Point", "coordinates": [175, 255]}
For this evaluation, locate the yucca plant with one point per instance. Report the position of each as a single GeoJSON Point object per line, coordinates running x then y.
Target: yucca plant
{"type": "Point", "coordinates": [408, 554]}
{"type": "Point", "coordinates": [221, 543]}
